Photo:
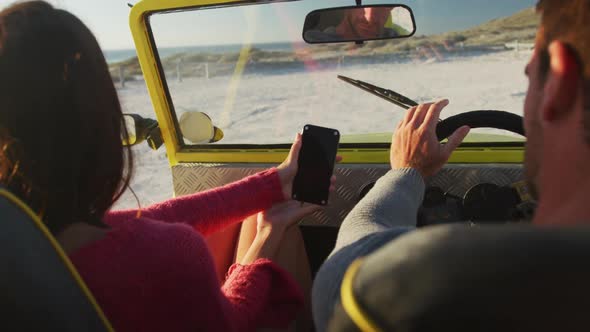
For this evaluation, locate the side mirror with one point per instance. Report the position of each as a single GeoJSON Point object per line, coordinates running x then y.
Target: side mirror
{"type": "Point", "coordinates": [141, 129]}
{"type": "Point", "coordinates": [359, 24]}
{"type": "Point", "coordinates": [197, 128]}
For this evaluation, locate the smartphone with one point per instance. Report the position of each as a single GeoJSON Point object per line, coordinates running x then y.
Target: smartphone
{"type": "Point", "coordinates": [315, 164]}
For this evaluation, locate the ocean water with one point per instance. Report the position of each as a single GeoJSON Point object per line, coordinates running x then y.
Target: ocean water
{"type": "Point", "coordinates": [113, 56]}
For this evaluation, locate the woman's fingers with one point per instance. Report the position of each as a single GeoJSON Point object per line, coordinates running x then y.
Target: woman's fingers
{"type": "Point", "coordinates": [310, 208]}
{"type": "Point", "coordinates": [333, 183]}
{"type": "Point", "coordinates": [295, 148]}
{"type": "Point", "coordinates": [300, 210]}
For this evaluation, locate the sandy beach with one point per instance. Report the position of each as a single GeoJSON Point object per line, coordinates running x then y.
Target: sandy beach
{"type": "Point", "coordinates": [272, 107]}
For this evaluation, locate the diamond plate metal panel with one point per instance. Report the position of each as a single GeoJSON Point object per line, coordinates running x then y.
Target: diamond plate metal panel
{"type": "Point", "coordinates": [455, 179]}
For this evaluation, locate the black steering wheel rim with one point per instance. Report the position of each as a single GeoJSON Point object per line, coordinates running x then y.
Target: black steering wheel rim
{"type": "Point", "coordinates": [480, 119]}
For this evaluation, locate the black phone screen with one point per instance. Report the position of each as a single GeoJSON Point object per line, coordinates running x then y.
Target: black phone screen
{"type": "Point", "coordinates": [316, 164]}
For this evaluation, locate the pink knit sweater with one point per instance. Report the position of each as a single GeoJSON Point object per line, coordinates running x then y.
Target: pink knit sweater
{"type": "Point", "coordinates": [155, 273]}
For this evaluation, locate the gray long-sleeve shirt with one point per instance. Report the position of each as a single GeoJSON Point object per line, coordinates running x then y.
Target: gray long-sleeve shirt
{"type": "Point", "coordinates": [389, 210]}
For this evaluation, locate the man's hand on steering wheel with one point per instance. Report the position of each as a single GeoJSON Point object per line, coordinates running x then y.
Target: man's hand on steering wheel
{"type": "Point", "coordinates": [415, 144]}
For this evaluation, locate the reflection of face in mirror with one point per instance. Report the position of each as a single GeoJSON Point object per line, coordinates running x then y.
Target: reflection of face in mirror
{"type": "Point", "coordinates": [363, 23]}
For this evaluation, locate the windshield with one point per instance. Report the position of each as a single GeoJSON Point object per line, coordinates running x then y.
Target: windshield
{"type": "Point", "coordinates": [248, 68]}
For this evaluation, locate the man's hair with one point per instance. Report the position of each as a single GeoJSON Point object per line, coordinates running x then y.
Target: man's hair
{"type": "Point", "coordinates": [566, 21]}
{"type": "Point", "coordinates": [569, 22]}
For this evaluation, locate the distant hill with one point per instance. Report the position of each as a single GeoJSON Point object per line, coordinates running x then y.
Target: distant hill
{"type": "Point", "coordinates": [494, 34]}
{"type": "Point", "coordinates": [520, 27]}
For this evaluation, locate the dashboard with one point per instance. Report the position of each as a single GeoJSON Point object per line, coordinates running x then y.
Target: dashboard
{"type": "Point", "coordinates": [477, 195]}
{"type": "Point", "coordinates": [470, 193]}
{"type": "Point", "coordinates": [483, 203]}
{"type": "Point", "coordinates": [464, 193]}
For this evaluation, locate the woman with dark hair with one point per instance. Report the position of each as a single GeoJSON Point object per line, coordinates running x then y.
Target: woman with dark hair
{"type": "Point", "coordinates": [61, 126]}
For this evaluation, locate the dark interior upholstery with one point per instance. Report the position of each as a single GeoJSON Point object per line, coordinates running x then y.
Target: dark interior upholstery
{"type": "Point", "coordinates": [37, 291]}
{"type": "Point", "coordinates": [319, 243]}
{"type": "Point", "coordinates": [485, 278]}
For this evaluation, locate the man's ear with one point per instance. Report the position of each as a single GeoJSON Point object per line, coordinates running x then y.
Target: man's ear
{"type": "Point", "coordinates": [561, 83]}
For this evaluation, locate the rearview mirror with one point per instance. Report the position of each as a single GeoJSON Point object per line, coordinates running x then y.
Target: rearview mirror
{"type": "Point", "coordinates": [358, 24]}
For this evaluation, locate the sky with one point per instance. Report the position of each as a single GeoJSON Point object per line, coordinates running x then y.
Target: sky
{"type": "Point", "coordinates": [108, 19]}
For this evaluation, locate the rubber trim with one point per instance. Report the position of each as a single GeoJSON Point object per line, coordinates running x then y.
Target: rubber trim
{"type": "Point", "coordinates": [60, 252]}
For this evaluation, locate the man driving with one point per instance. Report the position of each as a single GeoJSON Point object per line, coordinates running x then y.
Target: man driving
{"type": "Point", "coordinates": [355, 24]}
{"type": "Point", "coordinates": [557, 158]}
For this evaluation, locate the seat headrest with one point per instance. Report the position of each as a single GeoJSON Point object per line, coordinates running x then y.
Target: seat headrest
{"type": "Point", "coordinates": [39, 287]}
{"type": "Point", "coordinates": [488, 278]}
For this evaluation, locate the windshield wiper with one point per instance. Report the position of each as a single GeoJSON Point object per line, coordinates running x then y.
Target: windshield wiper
{"type": "Point", "coordinates": [389, 95]}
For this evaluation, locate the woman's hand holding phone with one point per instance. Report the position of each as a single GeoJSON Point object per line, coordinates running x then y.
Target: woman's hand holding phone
{"type": "Point", "coordinates": [317, 155]}
{"type": "Point", "coordinates": [288, 169]}
{"type": "Point", "coordinates": [272, 223]}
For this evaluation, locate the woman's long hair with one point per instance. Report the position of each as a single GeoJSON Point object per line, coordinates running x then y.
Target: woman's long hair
{"type": "Point", "coordinates": [61, 123]}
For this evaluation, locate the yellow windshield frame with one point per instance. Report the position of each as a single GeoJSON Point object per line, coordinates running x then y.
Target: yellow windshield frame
{"type": "Point", "coordinates": [139, 25]}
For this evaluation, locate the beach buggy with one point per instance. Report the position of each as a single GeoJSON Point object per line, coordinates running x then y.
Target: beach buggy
{"type": "Point", "coordinates": [231, 82]}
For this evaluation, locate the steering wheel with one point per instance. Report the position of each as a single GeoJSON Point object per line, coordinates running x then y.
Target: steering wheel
{"type": "Point", "coordinates": [446, 127]}
{"type": "Point", "coordinates": [474, 119]}
{"type": "Point", "coordinates": [480, 119]}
